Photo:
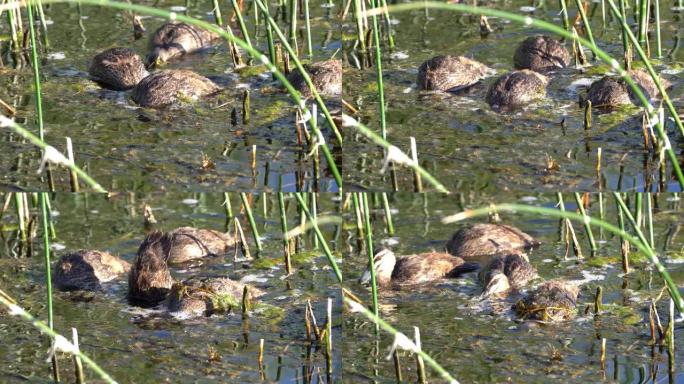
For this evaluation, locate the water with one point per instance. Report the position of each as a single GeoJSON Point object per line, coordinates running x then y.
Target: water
{"type": "Point", "coordinates": [127, 148]}
{"type": "Point", "coordinates": [466, 145]}
{"type": "Point", "coordinates": [141, 346]}
{"type": "Point", "coordinates": [480, 341]}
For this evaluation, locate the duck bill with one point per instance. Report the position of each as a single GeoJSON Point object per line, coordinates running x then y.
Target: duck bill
{"type": "Point", "coordinates": [498, 285]}
{"type": "Point", "coordinates": [365, 279]}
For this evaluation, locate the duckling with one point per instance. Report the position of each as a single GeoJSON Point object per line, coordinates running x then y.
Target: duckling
{"type": "Point", "coordinates": [541, 54]}
{"type": "Point", "coordinates": [189, 243]}
{"type": "Point", "coordinates": [326, 76]}
{"type": "Point", "coordinates": [171, 86]}
{"type": "Point", "coordinates": [117, 68]}
{"type": "Point", "coordinates": [516, 89]}
{"type": "Point", "coordinates": [415, 269]}
{"type": "Point", "coordinates": [87, 269]}
{"type": "Point", "coordinates": [613, 91]}
{"type": "Point", "coordinates": [150, 279]}
{"type": "Point", "coordinates": [505, 272]}
{"type": "Point", "coordinates": [175, 39]}
{"type": "Point", "coordinates": [552, 301]}
{"type": "Point", "coordinates": [450, 73]}
{"type": "Point", "coordinates": [206, 296]}
{"type": "Point", "coordinates": [480, 241]}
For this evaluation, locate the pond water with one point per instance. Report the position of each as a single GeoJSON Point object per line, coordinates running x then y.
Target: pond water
{"type": "Point", "coordinates": [480, 341]}
{"type": "Point", "coordinates": [466, 145]}
{"type": "Point", "coordinates": [196, 148]}
{"type": "Point", "coordinates": [144, 346]}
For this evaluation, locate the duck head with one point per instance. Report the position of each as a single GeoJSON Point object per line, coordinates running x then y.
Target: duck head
{"type": "Point", "coordinates": [384, 262]}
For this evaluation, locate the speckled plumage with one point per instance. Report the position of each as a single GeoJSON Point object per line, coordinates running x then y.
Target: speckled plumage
{"type": "Point", "coordinates": [189, 243]}
{"type": "Point", "coordinates": [175, 39]}
{"type": "Point", "coordinates": [326, 76]}
{"type": "Point", "coordinates": [449, 73]}
{"type": "Point", "coordinates": [516, 89]}
{"type": "Point", "coordinates": [541, 54]}
{"type": "Point", "coordinates": [552, 301]}
{"type": "Point", "coordinates": [150, 280]}
{"type": "Point", "coordinates": [480, 240]}
{"type": "Point", "coordinates": [87, 269]}
{"type": "Point", "coordinates": [202, 297]}
{"type": "Point", "coordinates": [117, 68]}
{"type": "Point", "coordinates": [613, 91]}
{"type": "Point", "coordinates": [505, 272]}
{"type": "Point", "coordinates": [170, 86]}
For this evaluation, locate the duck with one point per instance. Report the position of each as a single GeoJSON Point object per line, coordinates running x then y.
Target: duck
{"type": "Point", "coordinates": [506, 272]}
{"type": "Point", "coordinates": [199, 296]}
{"type": "Point", "coordinates": [150, 280]}
{"type": "Point", "coordinates": [482, 241]}
{"type": "Point", "coordinates": [516, 89]}
{"type": "Point", "coordinates": [117, 68]}
{"type": "Point", "coordinates": [188, 243]}
{"type": "Point", "coordinates": [613, 91]}
{"type": "Point", "coordinates": [175, 39]}
{"type": "Point", "coordinates": [87, 269]}
{"type": "Point", "coordinates": [172, 86]}
{"type": "Point", "coordinates": [450, 73]}
{"type": "Point", "coordinates": [541, 54]}
{"type": "Point", "coordinates": [326, 76]}
{"type": "Point", "coordinates": [552, 301]}
{"type": "Point", "coordinates": [392, 270]}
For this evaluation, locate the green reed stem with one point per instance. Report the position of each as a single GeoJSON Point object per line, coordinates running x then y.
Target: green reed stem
{"type": "Point", "coordinates": [406, 342]}
{"type": "Point", "coordinates": [64, 344]}
{"type": "Point", "coordinates": [625, 38]}
{"type": "Point", "coordinates": [217, 13]}
{"type": "Point", "coordinates": [624, 248]}
{"type": "Point", "coordinates": [311, 86]}
{"type": "Point", "coordinates": [293, 25]}
{"type": "Point", "coordinates": [401, 157]}
{"type": "Point", "coordinates": [585, 22]}
{"type": "Point", "coordinates": [359, 25]}
{"type": "Point", "coordinates": [307, 20]}
{"type": "Point", "coordinates": [314, 213]}
{"type": "Point", "coordinates": [649, 219]}
{"type": "Point", "coordinates": [36, 74]}
{"type": "Point", "coordinates": [526, 20]}
{"type": "Point", "coordinates": [11, 20]}
{"type": "Point", "coordinates": [639, 208]}
{"type": "Point", "coordinates": [388, 25]}
{"type": "Point", "coordinates": [371, 253]}
{"type": "Point", "coordinates": [564, 12]}
{"type": "Point", "coordinates": [659, 46]}
{"type": "Point", "coordinates": [56, 156]}
{"type": "Point", "coordinates": [314, 225]}
{"type": "Point", "coordinates": [388, 214]}
{"type": "Point", "coordinates": [378, 72]}
{"type": "Point", "coordinates": [252, 222]}
{"type": "Point", "coordinates": [283, 227]}
{"type": "Point", "coordinates": [229, 207]}
{"type": "Point", "coordinates": [241, 22]}
{"type": "Point", "coordinates": [642, 245]}
{"type": "Point", "coordinates": [48, 272]}
{"type": "Point", "coordinates": [643, 22]}
{"type": "Point", "coordinates": [269, 37]}
{"type": "Point", "coordinates": [19, 204]}
{"type": "Point", "coordinates": [587, 227]}
{"type": "Point", "coordinates": [43, 23]}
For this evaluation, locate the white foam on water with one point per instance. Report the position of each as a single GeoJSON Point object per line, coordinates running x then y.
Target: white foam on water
{"type": "Point", "coordinates": [94, 211]}
{"type": "Point", "coordinates": [54, 213]}
{"type": "Point", "coordinates": [177, 8]}
{"type": "Point", "coordinates": [394, 21]}
{"type": "Point", "coordinates": [588, 276]}
{"type": "Point", "coordinates": [56, 56]}
{"type": "Point", "coordinates": [547, 261]}
{"type": "Point", "coordinates": [528, 9]}
{"type": "Point", "coordinates": [672, 71]}
{"type": "Point", "coordinates": [400, 55]}
{"type": "Point", "coordinates": [253, 279]}
{"type": "Point", "coordinates": [390, 241]}
{"type": "Point", "coordinates": [190, 201]}
{"type": "Point", "coordinates": [242, 86]}
{"type": "Point", "coordinates": [57, 246]}
{"type": "Point", "coordinates": [583, 82]}
{"type": "Point", "coordinates": [407, 90]}
{"type": "Point", "coordinates": [528, 199]}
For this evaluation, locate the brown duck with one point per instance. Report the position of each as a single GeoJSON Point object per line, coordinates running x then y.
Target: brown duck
{"type": "Point", "coordinates": [171, 86]}
{"type": "Point", "coordinates": [326, 76]}
{"type": "Point", "coordinates": [175, 39]}
{"type": "Point", "coordinates": [189, 243]}
{"type": "Point", "coordinates": [450, 73]}
{"type": "Point", "coordinates": [87, 270]}
{"type": "Point", "coordinates": [506, 272]}
{"type": "Point", "coordinates": [516, 89]}
{"type": "Point", "coordinates": [541, 54]}
{"type": "Point", "coordinates": [613, 91]}
{"type": "Point", "coordinates": [117, 68]}
{"type": "Point", "coordinates": [206, 296]}
{"type": "Point", "coordinates": [150, 279]}
{"type": "Point", "coordinates": [415, 269]}
{"type": "Point", "coordinates": [552, 301]}
{"type": "Point", "coordinates": [479, 242]}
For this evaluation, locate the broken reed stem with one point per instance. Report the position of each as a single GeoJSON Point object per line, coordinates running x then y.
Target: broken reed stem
{"type": "Point", "coordinates": [671, 338]}
{"type": "Point", "coordinates": [229, 207]}
{"type": "Point", "coordinates": [243, 240]}
{"type": "Point", "coordinates": [23, 220]}
{"type": "Point", "coordinates": [417, 180]}
{"type": "Point", "coordinates": [598, 163]}
{"type": "Point", "coordinates": [73, 176]}
{"type": "Point", "coordinates": [598, 300]}
{"type": "Point", "coordinates": [587, 227]}
{"type": "Point", "coordinates": [359, 26]}
{"type": "Point", "coordinates": [570, 229]}
{"type": "Point", "coordinates": [246, 302]}
{"type": "Point", "coordinates": [649, 219]}
{"type": "Point", "coordinates": [328, 327]}
{"type": "Point", "coordinates": [241, 21]}
{"type": "Point", "coordinates": [651, 322]}
{"type": "Point", "coordinates": [420, 365]}
{"type": "Point", "coordinates": [587, 115]}
{"type": "Point", "coordinates": [585, 24]}
{"type": "Point", "coordinates": [78, 365]}
{"type": "Point", "coordinates": [252, 222]}
{"type": "Point", "coordinates": [603, 353]}
{"type": "Point", "coordinates": [397, 366]}
{"type": "Point", "coordinates": [260, 358]}
{"type": "Point", "coordinates": [314, 214]}
{"type": "Point", "coordinates": [388, 214]}
{"type": "Point", "coordinates": [283, 227]}
{"type": "Point", "coordinates": [307, 321]}
{"type": "Point", "coordinates": [245, 107]}
{"type": "Point", "coordinates": [624, 245]}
